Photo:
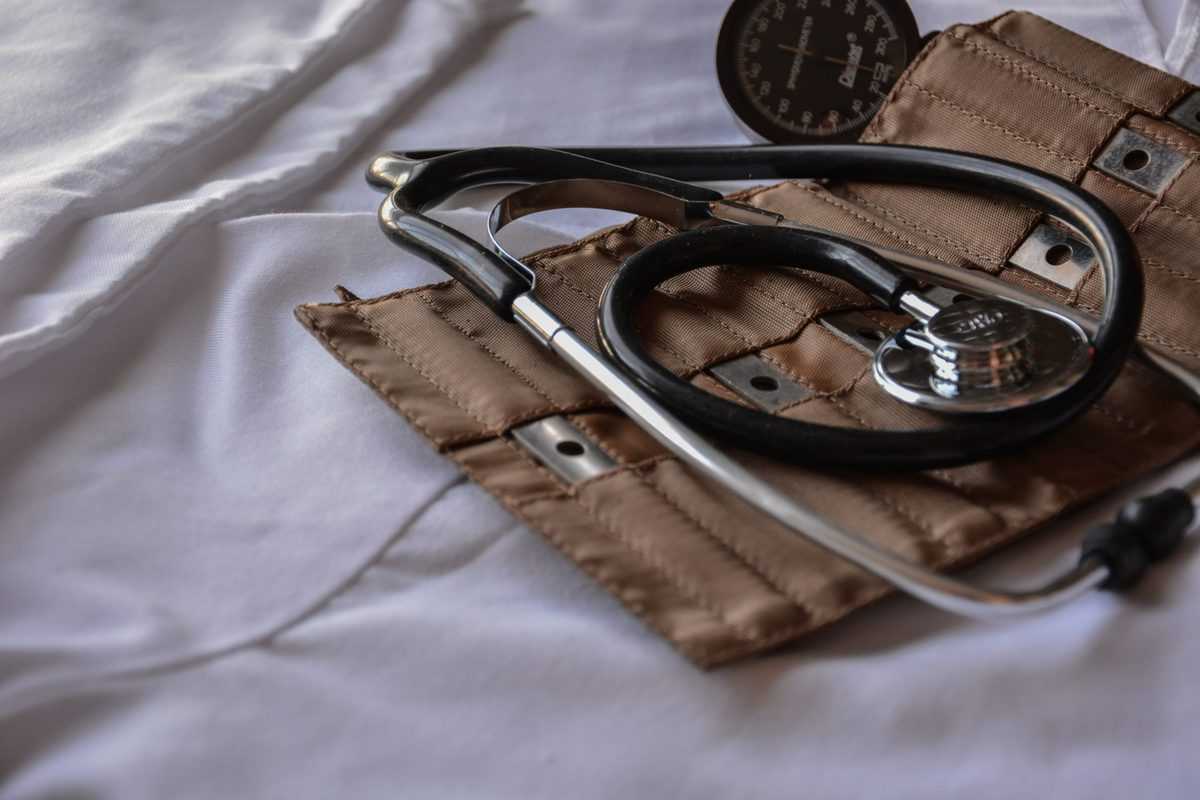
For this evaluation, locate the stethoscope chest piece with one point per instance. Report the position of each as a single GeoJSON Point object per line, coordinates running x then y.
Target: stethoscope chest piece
{"type": "Point", "coordinates": [983, 355]}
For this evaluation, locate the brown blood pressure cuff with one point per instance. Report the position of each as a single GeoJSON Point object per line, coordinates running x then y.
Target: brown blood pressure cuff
{"type": "Point", "coordinates": [716, 579]}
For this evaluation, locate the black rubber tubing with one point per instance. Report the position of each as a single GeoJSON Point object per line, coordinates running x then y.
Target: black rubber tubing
{"type": "Point", "coordinates": [983, 437]}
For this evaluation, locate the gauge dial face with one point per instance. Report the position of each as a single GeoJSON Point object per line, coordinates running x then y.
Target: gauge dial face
{"type": "Point", "coordinates": [796, 70]}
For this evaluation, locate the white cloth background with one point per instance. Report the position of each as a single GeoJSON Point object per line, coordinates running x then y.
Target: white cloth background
{"type": "Point", "coordinates": [198, 597]}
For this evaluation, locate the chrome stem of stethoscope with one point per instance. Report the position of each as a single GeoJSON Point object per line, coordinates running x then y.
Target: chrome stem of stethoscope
{"type": "Point", "coordinates": [939, 590]}
{"type": "Point", "coordinates": [918, 306]}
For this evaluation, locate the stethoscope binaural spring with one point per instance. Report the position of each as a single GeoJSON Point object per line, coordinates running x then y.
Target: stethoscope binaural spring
{"type": "Point", "coordinates": [993, 348]}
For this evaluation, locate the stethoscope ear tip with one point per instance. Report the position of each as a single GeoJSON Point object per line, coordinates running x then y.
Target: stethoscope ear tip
{"type": "Point", "coordinates": [388, 171]}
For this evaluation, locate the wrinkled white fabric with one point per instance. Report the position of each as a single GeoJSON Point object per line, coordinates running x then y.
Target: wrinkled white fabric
{"type": "Point", "coordinates": [198, 594]}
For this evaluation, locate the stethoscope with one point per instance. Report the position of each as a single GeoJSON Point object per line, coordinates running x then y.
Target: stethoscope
{"type": "Point", "coordinates": [1016, 366]}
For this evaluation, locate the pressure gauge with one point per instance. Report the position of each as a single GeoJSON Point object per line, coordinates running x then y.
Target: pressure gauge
{"type": "Point", "coordinates": [812, 70]}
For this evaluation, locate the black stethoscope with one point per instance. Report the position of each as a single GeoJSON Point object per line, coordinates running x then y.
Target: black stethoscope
{"type": "Point", "coordinates": [1018, 366]}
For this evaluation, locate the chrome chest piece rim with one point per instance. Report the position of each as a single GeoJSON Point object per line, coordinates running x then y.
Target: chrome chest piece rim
{"type": "Point", "coordinates": [982, 356]}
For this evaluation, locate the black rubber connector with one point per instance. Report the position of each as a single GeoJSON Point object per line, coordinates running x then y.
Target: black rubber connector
{"type": "Point", "coordinates": [1119, 550]}
{"type": "Point", "coordinates": [1147, 529]}
{"type": "Point", "coordinates": [1159, 521]}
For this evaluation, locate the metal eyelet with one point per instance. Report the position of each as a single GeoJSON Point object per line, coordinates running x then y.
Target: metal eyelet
{"type": "Point", "coordinates": [563, 449]}
{"type": "Point", "coordinates": [1058, 257]}
{"type": "Point", "coordinates": [755, 380]}
{"type": "Point", "coordinates": [1140, 161]}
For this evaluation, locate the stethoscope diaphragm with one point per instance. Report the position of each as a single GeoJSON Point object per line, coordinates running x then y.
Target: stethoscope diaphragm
{"type": "Point", "coordinates": [982, 355]}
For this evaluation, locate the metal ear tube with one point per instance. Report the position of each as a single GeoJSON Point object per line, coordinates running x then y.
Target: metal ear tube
{"type": "Point", "coordinates": [722, 232]}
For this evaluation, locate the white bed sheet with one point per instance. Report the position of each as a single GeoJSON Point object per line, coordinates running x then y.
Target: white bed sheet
{"type": "Point", "coordinates": [198, 596]}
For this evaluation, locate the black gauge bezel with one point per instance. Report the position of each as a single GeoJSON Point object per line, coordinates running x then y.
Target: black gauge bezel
{"type": "Point", "coordinates": [753, 118]}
